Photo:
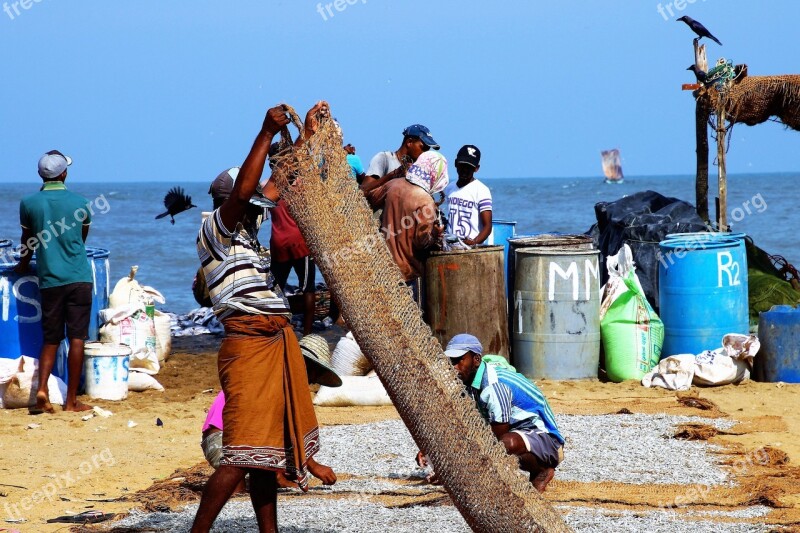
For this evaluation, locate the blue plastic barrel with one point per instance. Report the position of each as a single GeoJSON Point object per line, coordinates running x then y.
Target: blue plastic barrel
{"type": "Point", "coordinates": [20, 311]}
{"type": "Point", "coordinates": [702, 287]}
{"type": "Point", "coordinates": [779, 356]}
{"type": "Point", "coordinates": [98, 260]}
{"type": "Point", "coordinates": [715, 236]}
{"type": "Point", "coordinates": [502, 231]}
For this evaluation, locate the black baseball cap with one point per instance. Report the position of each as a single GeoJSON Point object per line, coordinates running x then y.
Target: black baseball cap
{"type": "Point", "coordinates": [469, 155]}
{"type": "Point", "coordinates": [423, 133]}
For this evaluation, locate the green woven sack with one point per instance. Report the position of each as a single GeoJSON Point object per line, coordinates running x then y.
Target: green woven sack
{"type": "Point", "coordinates": [632, 334]}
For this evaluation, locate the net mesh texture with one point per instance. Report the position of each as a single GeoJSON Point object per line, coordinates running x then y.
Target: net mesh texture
{"type": "Point", "coordinates": [486, 485]}
{"type": "Point", "coordinates": [753, 100]}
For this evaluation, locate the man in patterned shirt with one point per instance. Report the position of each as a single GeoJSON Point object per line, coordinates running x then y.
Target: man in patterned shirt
{"type": "Point", "coordinates": [515, 408]}
{"type": "Point", "coordinates": [270, 425]}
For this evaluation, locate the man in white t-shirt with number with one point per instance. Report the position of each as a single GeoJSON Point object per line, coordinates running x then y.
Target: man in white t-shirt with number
{"type": "Point", "coordinates": [469, 201]}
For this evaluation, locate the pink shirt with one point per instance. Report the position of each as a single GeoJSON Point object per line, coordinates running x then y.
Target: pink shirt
{"type": "Point", "coordinates": [214, 418]}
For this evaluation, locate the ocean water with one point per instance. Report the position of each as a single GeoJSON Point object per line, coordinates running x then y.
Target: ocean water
{"type": "Point", "coordinates": [763, 206]}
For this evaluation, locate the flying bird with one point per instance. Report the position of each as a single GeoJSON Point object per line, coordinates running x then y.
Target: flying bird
{"type": "Point", "coordinates": [698, 28]}
{"type": "Point", "coordinates": [176, 201]}
{"type": "Point", "coordinates": [701, 74]}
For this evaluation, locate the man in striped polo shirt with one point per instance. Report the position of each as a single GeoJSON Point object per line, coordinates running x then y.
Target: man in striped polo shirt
{"type": "Point", "coordinates": [516, 409]}
{"type": "Point", "coordinates": [270, 425]}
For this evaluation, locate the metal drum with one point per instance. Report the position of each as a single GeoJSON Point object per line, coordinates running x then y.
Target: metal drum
{"type": "Point", "coordinates": [702, 287]}
{"type": "Point", "coordinates": [556, 318]}
{"type": "Point", "coordinates": [560, 240]}
{"type": "Point", "coordinates": [465, 295]}
{"type": "Point", "coordinates": [537, 240]}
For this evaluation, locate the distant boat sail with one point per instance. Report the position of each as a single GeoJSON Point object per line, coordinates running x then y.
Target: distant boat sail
{"type": "Point", "coordinates": [612, 166]}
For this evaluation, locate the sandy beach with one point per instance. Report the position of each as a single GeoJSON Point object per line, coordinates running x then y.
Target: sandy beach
{"type": "Point", "coordinates": [66, 465]}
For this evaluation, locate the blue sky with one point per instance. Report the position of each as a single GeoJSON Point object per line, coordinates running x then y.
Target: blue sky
{"type": "Point", "coordinates": [176, 90]}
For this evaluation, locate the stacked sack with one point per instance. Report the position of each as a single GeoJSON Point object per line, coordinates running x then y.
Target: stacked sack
{"type": "Point", "coordinates": [132, 320]}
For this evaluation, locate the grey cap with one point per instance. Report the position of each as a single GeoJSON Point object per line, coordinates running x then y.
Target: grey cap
{"type": "Point", "coordinates": [53, 164]}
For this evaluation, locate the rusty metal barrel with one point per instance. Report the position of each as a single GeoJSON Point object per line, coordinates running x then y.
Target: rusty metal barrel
{"type": "Point", "coordinates": [466, 294]}
{"type": "Point", "coordinates": [556, 318]}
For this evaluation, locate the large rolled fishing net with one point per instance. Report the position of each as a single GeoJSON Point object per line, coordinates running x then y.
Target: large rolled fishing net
{"type": "Point", "coordinates": [486, 484]}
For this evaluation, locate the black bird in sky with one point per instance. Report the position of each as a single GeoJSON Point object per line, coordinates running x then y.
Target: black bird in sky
{"type": "Point", "coordinates": [700, 73]}
{"type": "Point", "coordinates": [698, 28]}
{"type": "Point", "coordinates": [176, 201]}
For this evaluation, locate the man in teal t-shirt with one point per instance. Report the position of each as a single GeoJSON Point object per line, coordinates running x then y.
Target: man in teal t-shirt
{"type": "Point", "coordinates": [55, 223]}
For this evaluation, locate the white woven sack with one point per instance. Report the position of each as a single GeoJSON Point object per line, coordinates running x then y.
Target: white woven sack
{"type": "Point", "coordinates": [347, 359]}
{"type": "Point", "coordinates": [355, 390]}
{"type": "Point", "coordinates": [140, 382]}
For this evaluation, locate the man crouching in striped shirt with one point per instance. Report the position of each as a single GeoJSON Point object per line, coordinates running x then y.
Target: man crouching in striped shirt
{"type": "Point", "coordinates": [515, 408]}
{"type": "Point", "coordinates": [270, 425]}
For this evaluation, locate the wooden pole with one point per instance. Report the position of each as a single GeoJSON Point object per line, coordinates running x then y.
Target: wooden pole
{"type": "Point", "coordinates": [723, 178]}
{"type": "Point", "coordinates": [702, 114]}
{"type": "Point", "coordinates": [700, 58]}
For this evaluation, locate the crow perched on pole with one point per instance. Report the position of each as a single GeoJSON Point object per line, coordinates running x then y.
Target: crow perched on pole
{"type": "Point", "coordinates": [698, 28]}
{"type": "Point", "coordinates": [701, 74]}
{"type": "Point", "coordinates": [176, 201]}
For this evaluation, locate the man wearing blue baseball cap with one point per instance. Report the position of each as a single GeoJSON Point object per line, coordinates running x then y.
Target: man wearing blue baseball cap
{"type": "Point", "coordinates": [388, 165]}
{"type": "Point", "coordinates": [55, 223]}
{"type": "Point", "coordinates": [515, 408]}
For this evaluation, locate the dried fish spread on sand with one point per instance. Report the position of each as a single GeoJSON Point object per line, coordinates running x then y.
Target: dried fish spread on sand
{"type": "Point", "coordinates": [382, 454]}
{"type": "Point", "coordinates": [346, 516]}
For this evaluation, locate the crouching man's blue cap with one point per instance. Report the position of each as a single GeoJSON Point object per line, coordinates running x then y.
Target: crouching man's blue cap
{"type": "Point", "coordinates": [461, 344]}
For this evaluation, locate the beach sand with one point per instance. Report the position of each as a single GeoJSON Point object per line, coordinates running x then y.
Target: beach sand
{"type": "Point", "coordinates": [67, 465]}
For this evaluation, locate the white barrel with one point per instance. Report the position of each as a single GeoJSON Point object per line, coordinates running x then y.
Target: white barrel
{"type": "Point", "coordinates": [105, 368]}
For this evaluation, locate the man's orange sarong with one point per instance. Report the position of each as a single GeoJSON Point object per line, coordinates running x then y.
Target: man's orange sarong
{"type": "Point", "coordinates": [268, 417]}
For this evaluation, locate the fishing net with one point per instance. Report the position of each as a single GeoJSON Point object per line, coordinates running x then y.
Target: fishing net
{"type": "Point", "coordinates": [754, 99]}
{"type": "Point", "coordinates": [485, 484]}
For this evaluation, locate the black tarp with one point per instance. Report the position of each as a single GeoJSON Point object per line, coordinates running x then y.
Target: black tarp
{"type": "Point", "coordinates": [642, 220]}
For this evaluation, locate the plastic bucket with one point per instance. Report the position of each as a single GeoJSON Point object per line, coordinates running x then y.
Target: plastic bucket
{"type": "Point", "coordinates": [702, 287]}
{"type": "Point", "coordinates": [556, 318]}
{"type": "Point", "coordinates": [105, 368]}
